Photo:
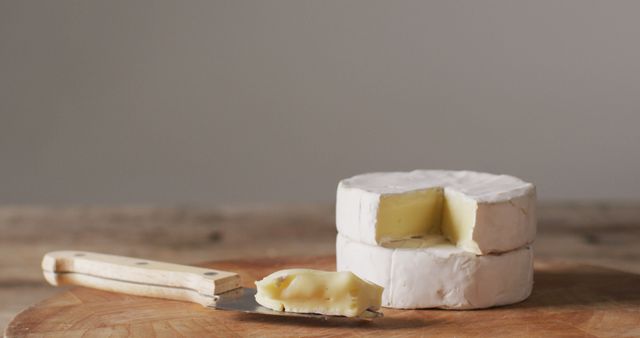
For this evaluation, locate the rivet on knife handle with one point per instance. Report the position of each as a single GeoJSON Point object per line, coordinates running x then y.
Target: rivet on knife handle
{"type": "Point", "coordinates": [137, 276]}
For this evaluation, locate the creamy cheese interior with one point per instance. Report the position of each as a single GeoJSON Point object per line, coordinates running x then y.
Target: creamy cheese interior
{"type": "Point", "coordinates": [314, 291]}
{"type": "Point", "coordinates": [458, 220]}
{"type": "Point", "coordinates": [426, 213]}
{"type": "Point", "coordinates": [412, 214]}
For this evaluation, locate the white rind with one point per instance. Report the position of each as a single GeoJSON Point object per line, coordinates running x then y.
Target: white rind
{"type": "Point", "coordinates": [506, 205]}
{"type": "Point", "coordinates": [442, 276]}
{"type": "Point", "coordinates": [482, 187]}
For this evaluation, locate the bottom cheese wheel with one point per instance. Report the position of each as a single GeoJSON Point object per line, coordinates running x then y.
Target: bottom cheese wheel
{"type": "Point", "coordinates": [418, 274]}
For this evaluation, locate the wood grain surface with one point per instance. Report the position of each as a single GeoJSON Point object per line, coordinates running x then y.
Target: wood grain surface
{"type": "Point", "coordinates": [605, 234]}
{"type": "Point", "coordinates": [568, 300]}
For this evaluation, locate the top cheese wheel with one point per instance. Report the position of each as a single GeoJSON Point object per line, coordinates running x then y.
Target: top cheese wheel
{"type": "Point", "coordinates": [479, 212]}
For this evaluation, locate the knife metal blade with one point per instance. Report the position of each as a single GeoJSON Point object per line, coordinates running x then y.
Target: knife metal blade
{"type": "Point", "coordinates": [243, 300]}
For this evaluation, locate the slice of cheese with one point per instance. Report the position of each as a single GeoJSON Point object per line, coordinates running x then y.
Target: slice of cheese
{"type": "Point", "coordinates": [481, 213]}
{"type": "Point", "coordinates": [315, 291]}
{"type": "Point", "coordinates": [436, 274]}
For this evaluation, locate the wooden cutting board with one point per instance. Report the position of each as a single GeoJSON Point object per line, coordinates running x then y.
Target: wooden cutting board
{"type": "Point", "coordinates": [568, 300]}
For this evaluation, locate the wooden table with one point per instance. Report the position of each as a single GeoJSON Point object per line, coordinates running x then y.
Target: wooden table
{"type": "Point", "coordinates": [599, 234]}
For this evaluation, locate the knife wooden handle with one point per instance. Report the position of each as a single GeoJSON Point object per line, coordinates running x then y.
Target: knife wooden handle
{"type": "Point", "coordinates": [135, 276]}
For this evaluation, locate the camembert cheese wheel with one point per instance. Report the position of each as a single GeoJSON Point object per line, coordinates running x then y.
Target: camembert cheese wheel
{"type": "Point", "coordinates": [479, 212]}
{"type": "Point", "coordinates": [433, 273]}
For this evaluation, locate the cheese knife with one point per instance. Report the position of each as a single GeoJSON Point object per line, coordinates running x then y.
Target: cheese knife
{"type": "Point", "coordinates": [211, 288]}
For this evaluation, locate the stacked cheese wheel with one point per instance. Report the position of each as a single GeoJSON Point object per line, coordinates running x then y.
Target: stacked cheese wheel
{"type": "Point", "coordinates": [438, 239]}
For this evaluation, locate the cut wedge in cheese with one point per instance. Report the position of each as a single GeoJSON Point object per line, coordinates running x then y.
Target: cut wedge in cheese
{"type": "Point", "coordinates": [436, 274]}
{"type": "Point", "coordinates": [479, 212]}
{"type": "Point", "coordinates": [315, 291]}
{"type": "Point", "coordinates": [415, 213]}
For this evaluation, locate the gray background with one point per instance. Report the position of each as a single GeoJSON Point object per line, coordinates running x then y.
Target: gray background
{"type": "Point", "coordinates": [208, 102]}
